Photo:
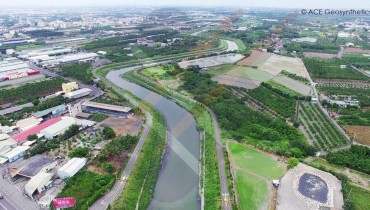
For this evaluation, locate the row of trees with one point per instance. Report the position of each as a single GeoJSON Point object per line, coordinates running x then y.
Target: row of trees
{"type": "Point", "coordinates": [78, 71]}
{"type": "Point", "coordinates": [243, 123]}
{"type": "Point", "coordinates": [31, 90]}
{"type": "Point", "coordinates": [356, 158]}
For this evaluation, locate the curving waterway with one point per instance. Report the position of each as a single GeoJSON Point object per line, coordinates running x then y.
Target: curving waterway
{"type": "Point", "coordinates": [177, 184]}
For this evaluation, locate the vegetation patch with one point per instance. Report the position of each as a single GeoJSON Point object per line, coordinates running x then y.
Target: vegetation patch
{"type": "Point", "coordinates": [78, 71]}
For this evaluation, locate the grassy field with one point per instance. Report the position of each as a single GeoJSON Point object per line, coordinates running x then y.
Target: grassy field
{"type": "Point", "coordinates": [156, 72]}
{"type": "Point", "coordinates": [253, 172]}
{"type": "Point", "coordinates": [360, 197]}
{"type": "Point", "coordinates": [283, 87]}
{"type": "Point", "coordinates": [294, 85]}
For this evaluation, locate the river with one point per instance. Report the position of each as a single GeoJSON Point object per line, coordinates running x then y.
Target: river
{"type": "Point", "coordinates": [177, 184]}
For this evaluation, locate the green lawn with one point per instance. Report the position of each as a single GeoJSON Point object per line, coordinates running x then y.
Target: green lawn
{"type": "Point", "coordinates": [360, 197]}
{"type": "Point", "coordinates": [253, 171]}
{"type": "Point", "coordinates": [251, 189]}
{"type": "Point", "coordinates": [221, 69]}
{"type": "Point", "coordinates": [159, 72]}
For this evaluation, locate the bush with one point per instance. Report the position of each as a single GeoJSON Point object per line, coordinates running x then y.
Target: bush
{"type": "Point", "coordinates": [79, 152]}
{"type": "Point", "coordinates": [292, 162]}
{"type": "Point", "coordinates": [108, 133]}
{"type": "Point", "coordinates": [109, 167]}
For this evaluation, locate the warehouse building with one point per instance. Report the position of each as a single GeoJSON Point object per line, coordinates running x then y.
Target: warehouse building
{"type": "Point", "coordinates": [58, 128]}
{"type": "Point", "coordinates": [71, 167]}
{"type": "Point", "coordinates": [78, 58]}
{"type": "Point", "coordinates": [51, 112]}
{"type": "Point", "coordinates": [13, 68]}
{"type": "Point", "coordinates": [106, 108]}
{"type": "Point", "coordinates": [78, 93]}
{"type": "Point", "coordinates": [15, 109]}
{"type": "Point", "coordinates": [27, 123]}
{"type": "Point", "coordinates": [22, 136]}
{"type": "Point", "coordinates": [38, 183]}
{"type": "Point", "coordinates": [15, 153]}
{"type": "Point", "coordinates": [32, 166]}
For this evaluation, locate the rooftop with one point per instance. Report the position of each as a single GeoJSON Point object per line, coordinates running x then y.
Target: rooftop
{"type": "Point", "coordinates": [48, 111]}
{"type": "Point", "coordinates": [15, 108]}
{"type": "Point", "coordinates": [20, 137]}
{"type": "Point", "coordinates": [106, 106]}
{"type": "Point", "coordinates": [31, 166]}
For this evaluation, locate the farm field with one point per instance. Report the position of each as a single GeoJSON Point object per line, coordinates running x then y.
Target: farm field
{"type": "Point", "coordinates": [360, 133]}
{"type": "Point", "coordinates": [253, 172]}
{"type": "Point", "coordinates": [356, 50]}
{"type": "Point", "coordinates": [358, 60]}
{"type": "Point", "coordinates": [274, 64]}
{"type": "Point", "coordinates": [212, 61]}
{"type": "Point", "coordinates": [330, 69]}
{"type": "Point", "coordinates": [363, 95]}
{"type": "Point", "coordinates": [323, 134]}
{"type": "Point", "coordinates": [343, 83]}
{"type": "Point", "coordinates": [249, 73]}
{"type": "Point", "coordinates": [236, 81]}
{"type": "Point", "coordinates": [293, 85]}
{"type": "Point", "coordinates": [319, 55]}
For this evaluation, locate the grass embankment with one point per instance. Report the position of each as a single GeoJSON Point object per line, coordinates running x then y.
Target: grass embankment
{"type": "Point", "coordinates": [86, 187]}
{"type": "Point", "coordinates": [253, 171]}
{"type": "Point", "coordinates": [204, 123]}
{"type": "Point", "coordinates": [140, 185]}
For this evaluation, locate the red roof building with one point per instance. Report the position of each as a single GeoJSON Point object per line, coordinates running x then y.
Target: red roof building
{"type": "Point", "coordinates": [20, 137]}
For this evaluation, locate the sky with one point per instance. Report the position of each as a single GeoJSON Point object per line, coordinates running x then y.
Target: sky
{"type": "Point", "coordinates": [345, 4]}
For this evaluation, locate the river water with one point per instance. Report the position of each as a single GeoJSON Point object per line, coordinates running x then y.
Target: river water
{"type": "Point", "coordinates": [177, 184]}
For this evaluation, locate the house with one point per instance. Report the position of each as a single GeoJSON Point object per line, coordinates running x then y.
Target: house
{"type": "Point", "coordinates": [69, 87]}
{"type": "Point", "coordinates": [38, 183]}
{"type": "Point", "coordinates": [343, 66]}
{"type": "Point", "coordinates": [151, 43]}
{"type": "Point", "coordinates": [15, 153]}
{"type": "Point", "coordinates": [349, 44]}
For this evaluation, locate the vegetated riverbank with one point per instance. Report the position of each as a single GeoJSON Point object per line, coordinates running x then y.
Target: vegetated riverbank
{"type": "Point", "coordinates": [211, 182]}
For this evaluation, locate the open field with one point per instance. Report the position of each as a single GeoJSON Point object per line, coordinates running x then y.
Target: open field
{"type": "Point", "coordinates": [305, 187]}
{"type": "Point", "coordinates": [319, 55]}
{"type": "Point", "coordinates": [274, 64]}
{"type": "Point", "coordinates": [249, 73]}
{"type": "Point", "coordinates": [360, 197]}
{"type": "Point", "coordinates": [124, 126]}
{"type": "Point", "coordinates": [253, 171]}
{"type": "Point", "coordinates": [212, 61]}
{"type": "Point", "coordinates": [360, 133]}
{"type": "Point", "coordinates": [293, 85]}
{"type": "Point", "coordinates": [236, 81]}
{"type": "Point", "coordinates": [356, 50]}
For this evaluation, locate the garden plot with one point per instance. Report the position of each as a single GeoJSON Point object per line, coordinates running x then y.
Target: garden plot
{"type": "Point", "coordinates": [274, 64]}
{"type": "Point", "coordinates": [212, 61]}
{"type": "Point", "coordinates": [293, 85]}
{"type": "Point", "coordinates": [241, 76]}
{"type": "Point", "coordinates": [360, 133]}
{"type": "Point", "coordinates": [319, 55]}
{"type": "Point", "coordinates": [305, 187]}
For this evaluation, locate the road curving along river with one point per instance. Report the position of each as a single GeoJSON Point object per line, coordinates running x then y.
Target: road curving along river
{"type": "Point", "coordinates": [177, 184]}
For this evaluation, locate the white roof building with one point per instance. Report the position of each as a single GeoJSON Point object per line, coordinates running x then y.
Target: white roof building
{"type": "Point", "coordinates": [27, 123]}
{"type": "Point", "coordinates": [15, 153]}
{"type": "Point", "coordinates": [39, 182]}
{"type": "Point", "coordinates": [58, 128]}
{"type": "Point", "coordinates": [71, 167]}
{"type": "Point", "coordinates": [78, 93]}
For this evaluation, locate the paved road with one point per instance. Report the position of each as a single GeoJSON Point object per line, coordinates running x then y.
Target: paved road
{"type": "Point", "coordinates": [221, 164]}
{"type": "Point", "coordinates": [110, 197]}
{"type": "Point", "coordinates": [231, 46]}
{"type": "Point", "coordinates": [13, 197]}
{"type": "Point", "coordinates": [340, 53]}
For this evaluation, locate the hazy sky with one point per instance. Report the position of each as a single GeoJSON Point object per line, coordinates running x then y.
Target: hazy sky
{"type": "Point", "coordinates": [347, 4]}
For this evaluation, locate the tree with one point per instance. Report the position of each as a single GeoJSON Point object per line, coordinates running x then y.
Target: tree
{"type": "Point", "coordinates": [79, 152]}
{"type": "Point", "coordinates": [32, 137]}
{"type": "Point", "coordinates": [108, 133]}
{"type": "Point", "coordinates": [109, 167]}
{"type": "Point", "coordinates": [292, 162]}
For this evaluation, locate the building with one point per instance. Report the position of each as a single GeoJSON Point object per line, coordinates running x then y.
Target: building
{"type": "Point", "coordinates": [15, 109]}
{"type": "Point", "coordinates": [27, 123]}
{"type": "Point", "coordinates": [77, 58]}
{"type": "Point", "coordinates": [71, 167]}
{"type": "Point", "coordinates": [106, 108]}
{"type": "Point", "coordinates": [74, 109]}
{"type": "Point", "coordinates": [32, 166]}
{"type": "Point", "coordinates": [78, 93]}
{"type": "Point", "coordinates": [13, 68]}
{"type": "Point", "coordinates": [343, 66]}
{"type": "Point", "coordinates": [58, 128]}
{"type": "Point", "coordinates": [51, 112]}
{"type": "Point", "coordinates": [22, 136]}
{"type": "Point", "coordinates": [69, 87]}
{"type": "Point", "coordinates": [15, 153]}
{"type": "Point", "coordinates": [38, 183]}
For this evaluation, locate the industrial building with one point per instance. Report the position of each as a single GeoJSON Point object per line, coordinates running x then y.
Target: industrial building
{"type": "Point", "coordinates": [22, 136]}
{"type": "Point", "coordinates": [6, 144]}
{"type": "Point", "coordinates": [71, 167]}
{"type": "Point", "coordinates": [38, 183]}
{"type": "Point", "coordinates": [51, 112]}
{"type": "Point", "coordinates": [27, 123]}
{"type": "Point", "coordinates": [58, 128]}
{"type": "Point", "coordinates": [33, 165]}
{"type": "Point", "coordinates": [14, 154]}
{"type": "Point", "coordinates": [106, 108]}
{"type": "Point", "coordinates": [15, 109]}
{"type": "Point", "coordinates": [80, 57]}
{"type": "Point", "coordinates": [78, 93]}
{"type": "Point", "coordinates": [69, 87]}
{"type": "Point", "coordinates": [13, 68]}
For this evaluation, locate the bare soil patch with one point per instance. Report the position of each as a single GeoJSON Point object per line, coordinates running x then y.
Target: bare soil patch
{"type": "Point", "coordinates": [319, 55]}
{"type": "Point", "coordinates": [124, 126]}
{"type": "Point", "coordinates": [361, 133]}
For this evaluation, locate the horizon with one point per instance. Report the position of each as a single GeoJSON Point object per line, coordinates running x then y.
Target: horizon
{"type": "Point", "coordinates": [281, 4]}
